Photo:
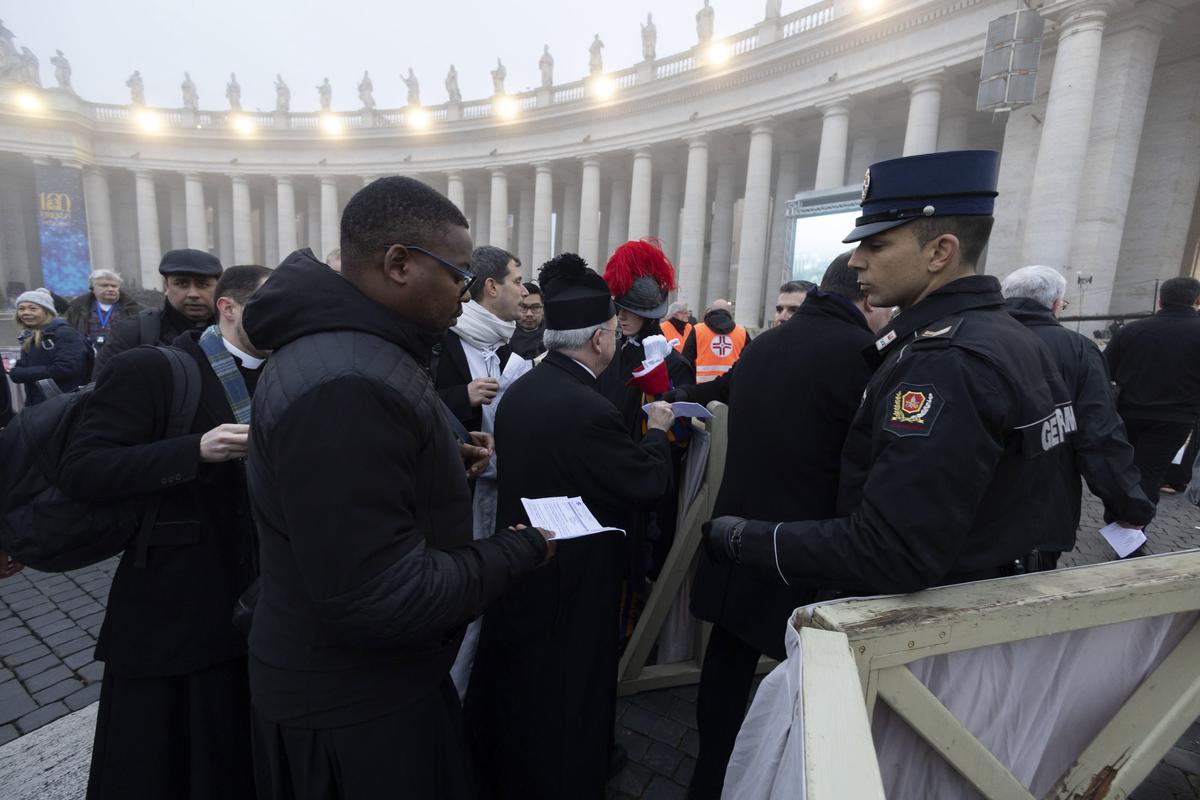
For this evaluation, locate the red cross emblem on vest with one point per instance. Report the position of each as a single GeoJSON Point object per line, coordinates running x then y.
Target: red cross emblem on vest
{"type": "Point", "coordinates": [721, 345]}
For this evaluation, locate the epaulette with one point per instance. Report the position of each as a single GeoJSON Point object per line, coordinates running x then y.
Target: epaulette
{"type": "Point", "coordinates": [939, 334]}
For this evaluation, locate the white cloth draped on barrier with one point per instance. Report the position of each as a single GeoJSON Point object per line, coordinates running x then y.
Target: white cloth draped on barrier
{"type": "Point", "coordinates": [1035, 704]}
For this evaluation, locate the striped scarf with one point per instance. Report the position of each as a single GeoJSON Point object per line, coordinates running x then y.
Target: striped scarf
{"type": "Point", "coordinates": [227, 370]}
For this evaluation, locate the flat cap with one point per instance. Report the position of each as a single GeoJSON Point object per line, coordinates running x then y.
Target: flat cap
{"type": "Point", "coordinates": [190, 262]}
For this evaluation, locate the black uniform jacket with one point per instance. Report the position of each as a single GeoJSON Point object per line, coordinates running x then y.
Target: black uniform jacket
{"type": "Point", "coordinates": [453, 375]}
{"type": "Point", "coordinates": [947, 455]}
{"type": "Point", "coordinates": [126, 332]}
{"type": "Point", "coordinates": [173, 615]}
{"type": "Point", "coordinates": [1156, 365]}
{"type": "Point", "coordinates": [543, 691]}
{"type": "Point", "coordinates": [369, 573]}
{"type": "Point", "coordinates": [1099, 450]}
{"type": "Point", "coordinates": [792, 397]}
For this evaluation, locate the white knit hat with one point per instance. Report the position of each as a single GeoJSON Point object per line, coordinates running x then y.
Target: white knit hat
{"type": "Point", "coordinates": [41, 297]}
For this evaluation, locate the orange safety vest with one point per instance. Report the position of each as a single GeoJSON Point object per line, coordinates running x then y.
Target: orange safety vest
{"type": "Point", "coordinates": [717, 352]}
{"type": "Point", "coordinates": [670, 332]}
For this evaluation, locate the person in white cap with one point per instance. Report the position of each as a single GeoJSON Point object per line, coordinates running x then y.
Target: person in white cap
{"type": "Point", "coordinates": [50, 348]}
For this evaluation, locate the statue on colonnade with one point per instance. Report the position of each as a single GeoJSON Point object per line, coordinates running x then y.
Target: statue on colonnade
{"type": "Point", "coordinates": [704, 23]}
{"type": "Point", "coordinates": [774, 9]}
{"type": "Point", "coordinates": [452, 91]}
{"type": "Point", "coordinates": [325, 91]}
{"type": "Point", "coordinates": [414, 88]}
{"type": "Point", "coordinates": [62, 70]}
{"type": "Point", "coordinates": [546, 65]}
{"type": "Point", "coordinates": [137, 88]}
{"type": "Point", "coordinates": [498, 76]}
{"type": "Point", "coordinates": [191, 98]}
{"type": "Point", "coordinates": [283, 95]}
{"type": "Point", "coordinates": [649, 39]}
{"type": "Point", "coordinates": [366, 92]}
{"type": "Point", "coordinates": [595, 60]}
{"type": "Point", "coordinates": [233, 93]}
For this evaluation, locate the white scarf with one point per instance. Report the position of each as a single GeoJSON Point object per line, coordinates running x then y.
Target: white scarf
{"type": "Point", "coordinates": [482, 329]}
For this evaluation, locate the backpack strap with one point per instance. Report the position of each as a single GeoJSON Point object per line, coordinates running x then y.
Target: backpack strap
{"type": "Point", "coordinates": [149, 326]}
{"type": "Point", "coordinates": [185, 402]}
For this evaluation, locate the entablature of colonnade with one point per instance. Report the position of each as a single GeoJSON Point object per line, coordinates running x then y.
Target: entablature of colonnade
{"type": "Point", "coordinates": [827, 51]}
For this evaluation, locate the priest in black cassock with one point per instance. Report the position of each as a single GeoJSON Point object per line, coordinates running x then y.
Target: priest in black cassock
{"type": "Point", "coordinates": [542, 700]}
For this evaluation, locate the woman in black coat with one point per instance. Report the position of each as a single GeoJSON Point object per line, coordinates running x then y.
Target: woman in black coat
{"type": "Point", "coordinates": [50, 348]}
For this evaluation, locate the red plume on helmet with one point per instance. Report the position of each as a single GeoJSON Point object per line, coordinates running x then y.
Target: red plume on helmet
{"type": "Point", "coordinates": [634, 260]}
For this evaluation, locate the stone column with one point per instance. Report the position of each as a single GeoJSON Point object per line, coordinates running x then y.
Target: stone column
{"type": "Point", "coordinates": [589, 213]}
{"type": "Point", "coordinates": [1126, 69]}
{"type": "Point", "coordinates": [270, 229]}
{"type": "Point", "coordinates": [499, 217]}
{"type": "Point", "coordinates": [720, 251]}
{"type": "Point", "coordinates": [618, 216]}
{"type": "Point", "coordinates": [862, 147]}
{"type": "Point", "coordinates": [243, 234]}
{"type": "Point", "coordinates": [525, 223]}
{"type": "Point", "coordinates": [570, 217]}
{"type": "Point", "coordinates": [695, 221]}
{"type": "Point", "coordinates": [831, 159]}
{"type": "Point", "coordinates": [483, 215]}
{"type": "Point", "coordinates": [455, 190]}
{"type": "Point", "coordinates": [1058, 175]}
{"type": "Point", "coordinates": [285, 202]}
{"type": "Point", "coordinates": [225, 224]}
{"type": "Point", "coordinates": [640, 192]}
{"type": "Point", "coordinates": [924, 107]}
{"type": "Point", "coordinates": [99, 218]}
{"type": "Point", "coordinates": [330, 222]}
{"type": "Point", "coordinates": [197, 223]}
{"type": "Point", "coordinates": [752, 257]}
{"type": "Point", "coordinates": [312, 218]}
{"type": "Point", "coordinates": [543, 203]}
{"type": "Point", "coordinates": [787, 183]}
{"type": "Point", "coordinates": [12, 230]}
{"type": "Point", "coordinates": [177, 214]}
{"type": "Point", "coordinates": [149, 246]}
{"type": "Point", "coordinates": [953, 133]}
{"type": "Point", "coordinates": [668, 214]}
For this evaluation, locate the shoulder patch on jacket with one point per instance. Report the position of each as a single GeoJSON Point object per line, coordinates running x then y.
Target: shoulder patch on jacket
{"type": "Point", "coordinates": [939, 333]}
{"type": "Point", "coordinates": [914, 410]}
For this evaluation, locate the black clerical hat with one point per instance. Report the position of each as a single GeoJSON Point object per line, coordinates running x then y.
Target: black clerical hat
{"type": "Point", "coordinates": [574, 295]}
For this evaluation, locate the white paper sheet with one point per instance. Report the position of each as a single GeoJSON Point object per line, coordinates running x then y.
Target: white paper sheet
{"type": "Point", "coordinates": [1123, 540]}
{"type": "Point", "coordinates": [568, 517]}
{"type": "Point", "coordinates": [685, 410]}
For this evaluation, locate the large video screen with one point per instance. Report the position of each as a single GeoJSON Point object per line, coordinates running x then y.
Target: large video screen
{"type": "Point", "coordinates": [818, 241]}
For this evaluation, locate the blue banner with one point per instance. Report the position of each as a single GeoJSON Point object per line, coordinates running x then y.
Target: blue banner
{"type": "Point", "coordinates": [62, 230]}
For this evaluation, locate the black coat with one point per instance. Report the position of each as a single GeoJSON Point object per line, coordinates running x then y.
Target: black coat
{"type": "Point", "coordinates": [791, 400]}
{"type": "Point", "coordinates": [127, 332]}
{"type": "Point", "coordinates": [946, 461]}
{"type": "Point", "coordinates": [541, 702]}
{"type": "Point", "coordinates": [369, 572]}
{"type": "Point", "coordinates": [528, 344]}
{"type": "Point", "coordinates": [453, 373]}
{"type": "Point", "coordinates": [1099, 451]}
{"type": "Point", "coordinates": [1155, 363]}
{"type": "Point", "coordinates": [63, 356]}
{"type": "Point", "coordinates": [172, 616]}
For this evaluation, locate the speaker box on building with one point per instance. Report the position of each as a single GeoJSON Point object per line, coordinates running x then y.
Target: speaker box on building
{"type": "Point", "coordinates": [1008, 77]}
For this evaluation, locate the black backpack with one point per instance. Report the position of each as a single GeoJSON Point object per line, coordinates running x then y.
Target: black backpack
{"type": "Point", "coordinates": [40, 526]}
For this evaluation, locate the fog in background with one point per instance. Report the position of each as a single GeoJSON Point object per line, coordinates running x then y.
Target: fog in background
{"type": "Point", "coordinates": [306, 41]}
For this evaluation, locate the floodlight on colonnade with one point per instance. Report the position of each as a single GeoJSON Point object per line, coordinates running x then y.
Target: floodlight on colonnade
{"type": "Point", "coordinates": [148, 121]}
{"type": "Point", "coordinates": [717, 53]}
{"type": "Point", "coordinates": [505, 107]}
{"type": "Point", "coordinates": [602, 87]}
{"type": "Point", "coordinates": [243, 124]}
{"type": "Point", "coordinates": [417, 119]}
{"type": "Point", "coordinates": [29, 102]}
{"type": "Point", "coordinates": [332, 124]}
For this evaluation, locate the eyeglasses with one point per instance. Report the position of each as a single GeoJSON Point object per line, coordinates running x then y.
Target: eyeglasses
{"type": "Point", "coordinates": [523, 307]}
{"type": "Point", "coordinates": [614, 331]}
{"type": "Point", "coordinates": [461, 273]}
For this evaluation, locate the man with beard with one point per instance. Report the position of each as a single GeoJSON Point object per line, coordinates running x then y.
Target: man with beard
{"type": "Point", "coordinates": [189, 277]}
{"type": "Point", "coordinates": [542, 701]}
{"type": "Point", "coordinates": [174, 701]}
{"type": "Point", "coordinates": [369, 574]}
{"type": "Point", "coordinates": [527, 338]}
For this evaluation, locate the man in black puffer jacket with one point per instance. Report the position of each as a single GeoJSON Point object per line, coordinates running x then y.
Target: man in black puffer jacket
{"type": "Point", "coordinates": [369, 574]}
{"type": "Point", "coordinates": [1099, 450]}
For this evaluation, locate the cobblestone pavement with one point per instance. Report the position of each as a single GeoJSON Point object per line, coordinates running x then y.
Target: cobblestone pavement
{"type": "Point", "coordinates": [49, 622]}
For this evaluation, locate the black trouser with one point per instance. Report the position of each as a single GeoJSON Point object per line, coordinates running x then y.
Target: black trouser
{"type": "Point", "coordinates": [725, 681]}
{"type": "Point", "coordinates": [1155, 443]}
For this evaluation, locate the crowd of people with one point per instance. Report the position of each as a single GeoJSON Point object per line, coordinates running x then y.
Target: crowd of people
{"type": "Point", "coordinates": [342, 594]}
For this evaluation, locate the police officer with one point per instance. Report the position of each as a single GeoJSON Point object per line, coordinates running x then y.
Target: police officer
{"type": "Point", "coordinates": [947, 456]}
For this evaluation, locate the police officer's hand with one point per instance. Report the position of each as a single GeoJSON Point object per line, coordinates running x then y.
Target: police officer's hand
{"type": "Point", "coordinates": [723, 539]}
{"type": "Point", "coordinates": [478, 454]}
{"type": "Point", "coordinates": [661, 416]}
{"type": "Point", "coordinates": [551, 545]}
{"type": "Point", "coordinates": [224, 443]}
{"type": "Point", "coordinates": [482, 391]}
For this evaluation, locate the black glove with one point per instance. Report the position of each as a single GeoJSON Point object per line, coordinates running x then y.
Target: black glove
{"type": "Point", "coordinates": [723, 539]}
{"type": "Point", "coordinates": [673, 396]}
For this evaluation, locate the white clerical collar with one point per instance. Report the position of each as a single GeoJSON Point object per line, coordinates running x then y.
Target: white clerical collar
{"type": "Point", "coordinates": [246, 360]}
{"type": "Point", "coordinates": [585, 366]}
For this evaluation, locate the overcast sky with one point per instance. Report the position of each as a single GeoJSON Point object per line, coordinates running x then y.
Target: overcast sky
{"type": "Point", "coordinates": [306, 40]}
